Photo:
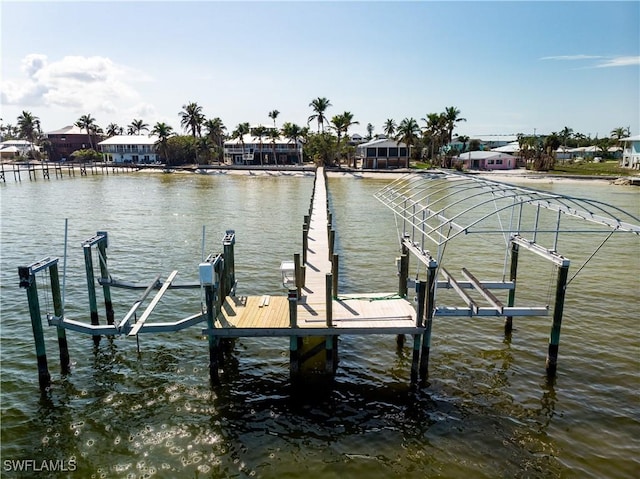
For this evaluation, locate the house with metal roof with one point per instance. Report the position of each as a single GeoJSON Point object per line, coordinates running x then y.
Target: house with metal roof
{"type": "Point", "coordinates": [63, 142]}
{"type": "Point", "coordinates": [486, 160]}
{"type": "Point", "coordinates": [383, 154]}
{"type": "Point", "coordinates": [251, 150]}
{"type": "Point", "coordinates": [134, 149]}
{"type": "Point", "coordinates": [10, 149]}
{"type": "Point", "coordinates": [631, 152]}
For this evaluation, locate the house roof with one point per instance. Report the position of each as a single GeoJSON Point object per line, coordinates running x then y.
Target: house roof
{"type": "Point", "coordinates": [484, 155]}
{"type": "Point", "coordinates": [68, 130]}
{"type": "Point", "coordinates": [510, 148]}
{"type": "Point", "coordinates": [130, 140]}
{"type": "Point", "coordinates": [631, 138]}
{"type": "Point", "coordinates": [382, 143]}
{"type": "Point", "coordinates": [25, 143]}
{"type": "Point", "coordinates": [249, 139]}
{"type": "Point", "coordinates": [9, 149]}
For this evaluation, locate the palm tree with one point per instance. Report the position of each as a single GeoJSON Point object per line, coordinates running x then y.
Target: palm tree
{"type": "Point", "coordinates": [433, 130]}
{"type": "Point", "coordinates": [88, 123]}
{"type": "Point", "coordinates": [215, 131]}
{"type": "Point", "coordinates": [451, 117]}
{"type": "Point", "coordinates": [338, 123]}
{"type": "Point", "coordinates": [136, 127]}
{"type": "Point", "coordinates": [618, 133]}
{"type": "Point", "coordinates": [192, 118]}
{"type": "Point", "coordinates": [273, 115]}
{"type": "Point", "coordinates": [464, 140]}
{"type": "Point", "coordinates": [408, 132]}
{"type": "Point", "coordinates": [28, 126]}
{"type": "Point", "coordinates": [293, 132]}
{"type": "Point", "coordinates": [163, 132]}
{"type": "Point", "coordinates": [369, 131]}
{"type": "Point", "coordinates": [114, 129]}
{"type": "Point", "coordinates": [274, 135]}
{"type": "Point", "coordinates": [319, 106]}
{"type": "Point", "coordinates": [390, 128]}
{"type": "Point", "coordinates": [241, 130]}
{"type": "Point", "coordinates": [260, 132]}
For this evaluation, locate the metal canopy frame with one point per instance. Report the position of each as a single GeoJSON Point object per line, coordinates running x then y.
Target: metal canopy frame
{"type": "Point", "coordinates": [442, 205]}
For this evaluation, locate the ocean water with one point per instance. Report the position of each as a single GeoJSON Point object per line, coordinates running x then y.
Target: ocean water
{"type": "Point", "coordinates": [488, 409]}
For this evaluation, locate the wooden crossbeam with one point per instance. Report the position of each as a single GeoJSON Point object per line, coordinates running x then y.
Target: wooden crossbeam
{"type": "Point", "coordinates": [488, 295]}
{"type": "Point", "coordinates": [152, 305]}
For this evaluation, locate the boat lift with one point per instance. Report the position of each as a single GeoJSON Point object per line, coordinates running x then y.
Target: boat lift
{"type": "Point", "coordinates": [440, 206]}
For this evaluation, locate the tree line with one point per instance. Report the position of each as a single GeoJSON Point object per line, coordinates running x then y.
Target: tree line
{"type": "Point", "coordinates": [329, 144]}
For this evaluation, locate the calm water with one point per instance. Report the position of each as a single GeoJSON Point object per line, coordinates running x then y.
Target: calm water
{"type": "Point", "coordinates": [488, 411]}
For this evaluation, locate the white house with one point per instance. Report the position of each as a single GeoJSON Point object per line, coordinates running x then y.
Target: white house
{"type": "Point", "coordinates": [382, 154]}
{"type": "Point", "coordinates": [129, 149]}
{"type": "Point", "coordinates": [15, 148]}
{"type": "Point", "coordinates": [251, 151]}
{"type": "Point", "coordinates": [631, 152]}
{"type": "Point", "coordinates": [486, 160]}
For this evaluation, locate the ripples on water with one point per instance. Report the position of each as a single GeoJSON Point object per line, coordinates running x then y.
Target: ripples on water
{"type": "Point", "coordinates": [488, 411]}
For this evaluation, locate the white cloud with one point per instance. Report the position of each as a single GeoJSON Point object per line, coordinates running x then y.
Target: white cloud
{"type": "Point", "coordinates": [620, 62]}
{"type": "Point", "coordinates": [82, 84]}
{"type": "Point", "coordinates": [605, 62]}
{"type": "Point", "coordinates": [571, 57]}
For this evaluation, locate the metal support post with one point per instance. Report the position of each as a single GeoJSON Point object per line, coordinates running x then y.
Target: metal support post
{"type": "Point", "coordinates": [65, 362]}
{"type": "Point", "coordinates": [91, 288]}
{"type": "Point", "coordinates": [511, 301]}
{"type": "Point", "coordinates": [104, 273]}
{"type": "Point", "coordinates": [28, 281]}
{"type": "Point", "coordinates": [429, 309]}
{"type": "Point", "coordinates": [558, 307]}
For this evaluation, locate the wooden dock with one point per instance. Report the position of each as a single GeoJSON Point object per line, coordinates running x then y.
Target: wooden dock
{"type": "Point", "coordinates": [377, 313]}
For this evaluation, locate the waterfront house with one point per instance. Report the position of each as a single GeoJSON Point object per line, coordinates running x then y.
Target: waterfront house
{"type": "Point", "coordinates": [63, 142]}
{"type": "Point", "coordinates": [13, 149]}
{"type": "Point", "coordinates": [383, 154]}
{"type": "Point", "coordinates": [486, 160]}
{"type": "Point", "coordinates": [129, 149]}
{"type": "Point", "coordinates": [251, 151]}
{"type": "Point", "coordinates": [631, 152]}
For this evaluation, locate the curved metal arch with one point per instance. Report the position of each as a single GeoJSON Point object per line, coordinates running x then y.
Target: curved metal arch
{"type": "Point", "coordinates": [419, 189]}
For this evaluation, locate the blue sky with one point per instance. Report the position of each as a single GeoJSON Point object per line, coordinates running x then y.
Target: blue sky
{"type": "Point", "coordinates": [510, 67]}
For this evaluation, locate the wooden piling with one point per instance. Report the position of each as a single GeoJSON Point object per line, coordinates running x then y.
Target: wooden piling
{"type": "Point", "coordinates": [332, 239]}
{"type": "Point", "coordinates": [335, 263]}
{"type": "Point", "coordinates": [329, 299]}
{"type": "Point", "coordinates": [403, 277]}
{"type": "Point", "coordinates": [558, 307]}
{"type": "Point", "coordinates": [305, 242]}
{"type": "Point", "coordinates": [511, 301]}
{"type": "Point", "coordinates": [28, 281]}
{"type": "Point", "coordinates": [298, 272]}
{"type": "Point", "coordinates": [229, 261]}
{"type": "Point", "coordinates": [65, 361]}
{"type": "Point", "coordinates": [91, 289]}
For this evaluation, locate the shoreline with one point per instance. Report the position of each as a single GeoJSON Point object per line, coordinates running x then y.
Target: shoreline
{"type": "Point", "coordinates": [519, 175]}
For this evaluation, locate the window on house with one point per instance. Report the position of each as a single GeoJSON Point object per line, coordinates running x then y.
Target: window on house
{"type": "Point", "coordinates": [393, 152]}
{"type": "Point", "coordinates": [371, 152]}
{"type": "Point", "coordinates": [382, 152]}
{"type": "Point", "coordinates": [490, 162]}
{"type": "Point", "coordinates": [403, 151]}
{"type": "Point", "coordinates": [498, 162]}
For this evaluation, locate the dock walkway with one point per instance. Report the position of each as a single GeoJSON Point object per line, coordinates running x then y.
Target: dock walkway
{"type": "Point", "coordinates": [378, 313]}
